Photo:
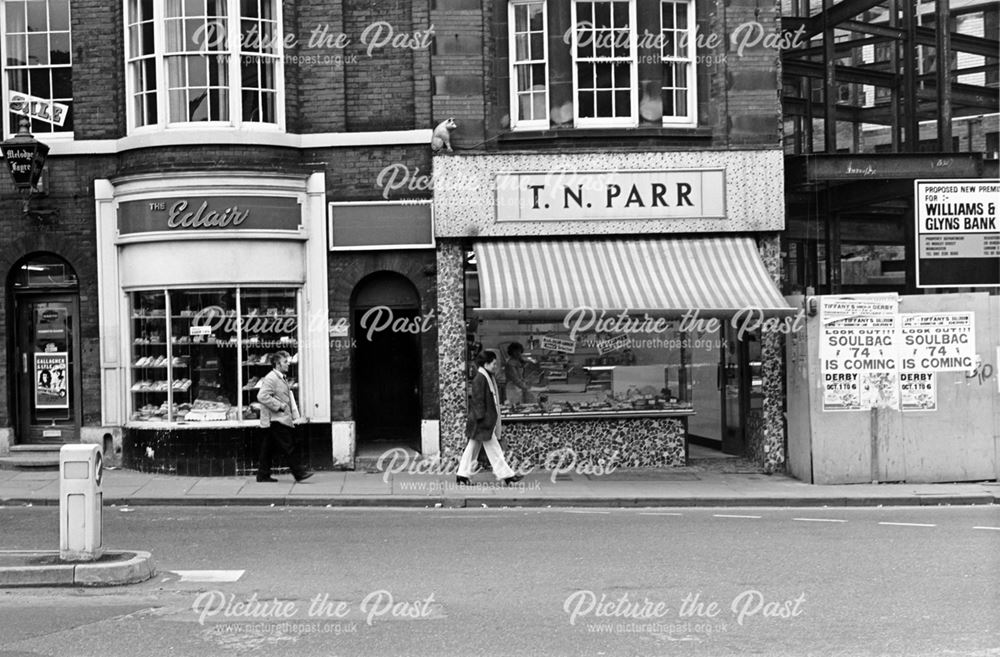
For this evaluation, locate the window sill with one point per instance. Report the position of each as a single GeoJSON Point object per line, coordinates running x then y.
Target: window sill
{"type": "Point", "coordinates": [520, 136]}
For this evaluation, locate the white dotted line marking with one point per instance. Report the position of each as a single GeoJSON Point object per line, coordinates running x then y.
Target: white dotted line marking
{"type": "Point", "coordinates": [723, 515]}
{"type": "Point", "coordinates": [907, 524]}
{"type": "Point", "coordinates": [652, 513]}
{"type": "Point", "coordinates": [996, 529]}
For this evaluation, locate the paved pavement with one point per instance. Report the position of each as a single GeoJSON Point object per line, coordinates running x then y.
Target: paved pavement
{"type": "Point", "coordinates": [679, 487]}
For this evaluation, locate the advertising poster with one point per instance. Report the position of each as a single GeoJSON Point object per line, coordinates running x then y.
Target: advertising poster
{"type": "Point", "coordinates": [857, 351]}
{"type": "Point", "coordinates": [937, 342]}
{"type": "Point", "coordinates": [841, 391]}
{"type": "Point", "coordinates": [958, 238]}
{"type": "Point", "coordinates": [51, 374]}
{"type": "Point", "coordinates": [918, 391]}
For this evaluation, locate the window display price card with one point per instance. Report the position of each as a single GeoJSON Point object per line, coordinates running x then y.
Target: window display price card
{"type": "Point", "coordinates": [937, 342]}
{"type": "Point", "coordinates": [549, 343]}
{"type": "Point", "coordinates": [612, 344]}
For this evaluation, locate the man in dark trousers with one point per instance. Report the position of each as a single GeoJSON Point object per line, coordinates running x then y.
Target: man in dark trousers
{"type": "Point", "coordinates": [278, 415]}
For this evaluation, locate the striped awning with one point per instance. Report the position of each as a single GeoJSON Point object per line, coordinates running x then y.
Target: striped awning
{"type": "Point", "coordinates": [717, 276]}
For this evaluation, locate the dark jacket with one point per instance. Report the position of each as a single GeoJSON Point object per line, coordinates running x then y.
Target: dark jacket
{"type": "Point", "coordinates": [482, 410]}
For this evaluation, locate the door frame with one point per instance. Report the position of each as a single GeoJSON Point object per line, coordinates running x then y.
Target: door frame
{"type": "Point", "coordinates": [400, 294]}
{"type": "Point", "coordinates": [20, 392]}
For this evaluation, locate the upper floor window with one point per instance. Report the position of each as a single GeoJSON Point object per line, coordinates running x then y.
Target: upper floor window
{"type": "Point", "coordinates": [604, 63]}
{"type": "Point", "coordinates": [604, 50]}
{"type": "Point", "coordinates": [677, 54]}
{"type": "Point", "coordinates": [38, 65]}
{"type": "Point", "coordinates": [204, 62]}
{"type": "Point", "coordinates": [528, 56]}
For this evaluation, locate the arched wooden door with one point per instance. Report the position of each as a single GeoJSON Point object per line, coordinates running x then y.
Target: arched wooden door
{"type": "Point", "coordinates": [45, 369]}
{"type": "Point", "coordinates": [386, 369]}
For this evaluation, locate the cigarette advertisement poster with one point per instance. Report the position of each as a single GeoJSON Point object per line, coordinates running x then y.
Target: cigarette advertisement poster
{"type": "Point", "coordinates": [937, 342]}
{"type": "Point", "coordinates": [51, 372]}
{"type": "Point", "coordinates": [918, 391]}
{"type": "Point", "coordinates": [857, 351]}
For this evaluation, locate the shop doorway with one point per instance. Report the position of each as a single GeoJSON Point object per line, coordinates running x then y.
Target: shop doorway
{"type": "Point", "coordinates": [722, 391]}
{"type": "Point", "coordinates": [44, 297]}
{"type": "Point", "coordinates": [386, 363]}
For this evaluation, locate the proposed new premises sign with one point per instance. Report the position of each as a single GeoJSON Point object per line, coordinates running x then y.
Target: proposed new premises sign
{"type": "Point", "coordinates": [958, 238]}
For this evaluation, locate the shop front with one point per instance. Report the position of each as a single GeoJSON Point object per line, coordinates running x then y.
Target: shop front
{"type": "Point", "coordinates": [383, 330]}
{"type": "Point", "coordinates": [202, 278]}
{"type": "Point", "coordinates": [619, 345]}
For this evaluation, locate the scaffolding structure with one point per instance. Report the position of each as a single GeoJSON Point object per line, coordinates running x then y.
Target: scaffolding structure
{"type": "Point", "coordinates": [868, 109]}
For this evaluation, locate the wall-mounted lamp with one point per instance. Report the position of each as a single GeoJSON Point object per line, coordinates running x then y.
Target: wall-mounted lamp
{"type": "Point", "coordinates": [25, 157]}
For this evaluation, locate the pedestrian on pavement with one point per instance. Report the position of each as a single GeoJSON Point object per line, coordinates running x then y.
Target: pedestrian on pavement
{"type": "Point", "coordinates": [278, 414]}
{"type": "Point", "coordinates": [482, 429]}
{"type": "Point", "coordinates": [518, 391]}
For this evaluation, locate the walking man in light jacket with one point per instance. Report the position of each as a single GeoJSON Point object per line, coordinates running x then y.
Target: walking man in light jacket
{"type": "Point", "coordinates": [278, 414]}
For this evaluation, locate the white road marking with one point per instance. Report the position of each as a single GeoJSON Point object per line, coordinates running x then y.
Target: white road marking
{"type": "Point", "coordinates": [819, 519]}
{"type": "Point", "coordinates": [652, 513]}
{"type": "Point", "coordinates": [996, 529]}
{"type": "Point", "coordinates": [589, 512]}
{"type": "Point", "coordinates": [209, 575]}
{"type": "Point", "coordinates": [907, 524]}
{"type": "Point", "coordinates": [457, 517]}
{"type": "Point", "coordinates": [722, 515]}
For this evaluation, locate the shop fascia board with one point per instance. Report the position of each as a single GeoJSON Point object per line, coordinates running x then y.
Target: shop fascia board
{"type": "Point", "coordinates": [222, 137]}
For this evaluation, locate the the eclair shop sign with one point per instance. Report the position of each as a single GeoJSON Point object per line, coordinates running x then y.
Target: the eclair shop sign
{"type": "Point", "coordinates": [209, 213]}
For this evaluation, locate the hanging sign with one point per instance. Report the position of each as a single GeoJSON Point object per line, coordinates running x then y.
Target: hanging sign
{"type": "Point", "coordinates": [38, 108]}
{"type": "Point", "coordinates": [51, 373]}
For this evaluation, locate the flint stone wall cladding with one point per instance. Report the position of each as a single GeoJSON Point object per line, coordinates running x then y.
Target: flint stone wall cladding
{"type": "Point", "coordinates": [625, 442]}
{"type": "Point", "coordinates": [766, 442]}
{"type": "Point", "coordinates": [452, 380]}
{"type": "Point", "coordinates": [465, 192]}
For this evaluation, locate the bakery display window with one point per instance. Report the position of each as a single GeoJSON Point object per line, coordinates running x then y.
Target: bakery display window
{"type": "Point", "coordinates": [198, 355]}
{"type": "Point", "coordinates": [589, 373]}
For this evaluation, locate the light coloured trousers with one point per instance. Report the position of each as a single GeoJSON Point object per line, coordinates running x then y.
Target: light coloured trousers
{"type": "Point", "coordinates": [493, 451]}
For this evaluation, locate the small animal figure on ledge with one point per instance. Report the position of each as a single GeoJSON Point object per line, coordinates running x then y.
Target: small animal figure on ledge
{"type": "Point", "coordinates": [441, 138]}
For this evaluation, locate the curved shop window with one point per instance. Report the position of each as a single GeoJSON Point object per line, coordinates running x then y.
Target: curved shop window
{"type": "Point", "coordinates": [198, 355]}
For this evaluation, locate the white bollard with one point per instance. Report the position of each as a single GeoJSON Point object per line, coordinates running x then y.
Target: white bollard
{"type": "Point", "coordinates": [81, 512]}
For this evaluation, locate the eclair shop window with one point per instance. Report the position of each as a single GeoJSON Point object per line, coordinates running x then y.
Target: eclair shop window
{"type": "Point", "coordinates": [198, 355]}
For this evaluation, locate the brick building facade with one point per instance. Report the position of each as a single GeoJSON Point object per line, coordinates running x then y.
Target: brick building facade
{"type": "Point", "coordinates": [317, 124]}
{"type": "Point", "coordinates": [344, 93]}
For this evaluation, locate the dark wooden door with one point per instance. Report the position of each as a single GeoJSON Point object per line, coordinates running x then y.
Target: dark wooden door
{"type": "Point", "coordinates": [46, 368]}
{"type": "Point", "coordinates": [387, 376]}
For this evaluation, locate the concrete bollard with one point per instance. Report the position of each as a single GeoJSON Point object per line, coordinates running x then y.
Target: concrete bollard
{"type": "Point", "coordinates": [81, 511]}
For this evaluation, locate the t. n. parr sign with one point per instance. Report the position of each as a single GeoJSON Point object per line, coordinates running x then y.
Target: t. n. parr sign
{"type": "Point", "coordinates": [618, 195]}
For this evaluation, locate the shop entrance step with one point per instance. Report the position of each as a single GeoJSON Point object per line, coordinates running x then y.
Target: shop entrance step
{"type": "Point", "coordinates": [31, 457]}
